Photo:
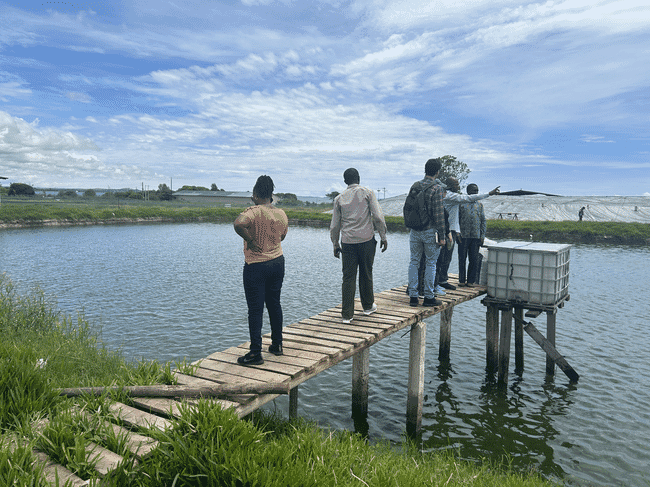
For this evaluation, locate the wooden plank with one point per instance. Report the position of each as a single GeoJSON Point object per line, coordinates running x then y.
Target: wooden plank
{"type": "Point", "coordinates": [271, 364]}
{"type": "Point", "coordinates": [335, 329]}
{"type": "Point", "coordinates": [53, 471]}
{"type": "Point", "coordinates": [141, 446]}
{"type": "Point", "coordinates": [358, 324]}
{"type": "Point", "coordinates": [306, 338]}
{"type": "Point", "coordinates": [233, 372]}
{"type": "Point", "coordinates": [134, 417]}
{"type": "Point", "coordinates": [175, 390]}
{"type": "Point", "coordinates": [105, 461]}
{"type": "Point", "coordinates": [551, 352]}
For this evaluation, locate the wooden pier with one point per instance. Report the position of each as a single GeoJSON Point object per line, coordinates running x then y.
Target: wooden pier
{"type": "Point", "coordinates": [310, 346]}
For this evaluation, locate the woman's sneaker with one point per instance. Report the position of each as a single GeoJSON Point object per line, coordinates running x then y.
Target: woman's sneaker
{"type": "Point", "coordinates": [276, 350]}
{"type": "Point", "coordinates": [251, 359]}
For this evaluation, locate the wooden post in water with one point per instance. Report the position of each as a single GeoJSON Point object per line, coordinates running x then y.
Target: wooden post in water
{"type": "Point", "coordinates": [519, 341]}
{"type": "Point", "coordinates": [504, 344]}
{"type": "Point", "coordinates": [445, 334]}
{"type": "Point", "coordinates": [293, 402]}
{"type": "Point", "coordinates": [416, 379]}
{"type": "Point", "coordinates": [550, 336]}
{"type": "Point", "coordinates": [360, 376]}
{"type": "Point", "coordinates": [491, 337]}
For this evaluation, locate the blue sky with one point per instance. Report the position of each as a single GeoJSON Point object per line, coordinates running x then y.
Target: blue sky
{"type": "Point", "coordinates": [548, 96]}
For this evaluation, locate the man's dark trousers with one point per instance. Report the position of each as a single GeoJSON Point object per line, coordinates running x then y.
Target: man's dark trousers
{"type": "Point", "coordinates": [359, 256]}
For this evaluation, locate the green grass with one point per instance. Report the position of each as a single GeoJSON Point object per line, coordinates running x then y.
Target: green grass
{"type": "Point", "coordinates": [42, 350]}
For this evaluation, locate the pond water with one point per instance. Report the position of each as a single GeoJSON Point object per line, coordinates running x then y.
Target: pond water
{"type": "Point", "coordinates": [169, 292]}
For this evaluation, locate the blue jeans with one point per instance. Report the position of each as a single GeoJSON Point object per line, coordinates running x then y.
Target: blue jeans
{"type": "Point", "coordinates": [362, 257]}
{"type": "Point", "coordinates": [262, 285]}
{"type": "Point", "coordinates": [423, 241]}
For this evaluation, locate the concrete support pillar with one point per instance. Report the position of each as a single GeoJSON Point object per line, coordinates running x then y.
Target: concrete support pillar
{"type": "Point", "coordinates": [360, 377]}
{"type": "Point", "coordinates": [550, 336]}
{"type": "Point", "coordinates": [415, 398]}
{"type": "Point", "coordinates": [445, 334]}
{"type": "Point", "coordinates": [491, 338]}
{"type": "Point", "coordinates": [519, 341]}
{"type": "Point", "coordinates": [293, 403]}
{"type": "Point", "coordinates": [504, 344]}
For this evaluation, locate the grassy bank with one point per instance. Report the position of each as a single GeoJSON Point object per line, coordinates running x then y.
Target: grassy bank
{"type": "Point", "coordinates": [26, 215]}
{"type": "Point", "coordinates": [42, 350]}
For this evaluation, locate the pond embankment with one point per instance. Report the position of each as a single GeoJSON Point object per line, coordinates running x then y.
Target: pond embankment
{"type": "Point", "coordinates": [586, 232]}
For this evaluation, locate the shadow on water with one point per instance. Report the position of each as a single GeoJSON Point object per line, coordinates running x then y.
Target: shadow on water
{"type": "Point", "coordinates": [505, 425]}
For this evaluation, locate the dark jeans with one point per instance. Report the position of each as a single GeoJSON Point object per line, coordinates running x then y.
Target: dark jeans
{"type": "Point", "coordinates": [262, 285]}
{"type": "Point", "coordinates": [469, 247]}
{"type": "Point", "coordinates": [357, 256]}
{"type": "Point", "coordinates": [442, 266]}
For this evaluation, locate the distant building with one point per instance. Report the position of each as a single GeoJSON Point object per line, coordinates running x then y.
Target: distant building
{"type": "Point", "coordinates": [219, 198]}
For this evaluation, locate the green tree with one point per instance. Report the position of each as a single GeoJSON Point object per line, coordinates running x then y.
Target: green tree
{"type": "Point", "coordinates": [214, 188]}
{"type": "Point", "coordinates": [20, 189]}
{"type": "Point", "coordinates": [67, 193]}
{"type": "Point", "coordinates": [454, 168]}
{"type": "Point", "coordinates": [164, 193]}
{"type": "Point", "coordinates": [332, 195]}
{"type": "Point", "coordinates": [90, 193]}
{"type": "Point", "coordinates": [194, 188]}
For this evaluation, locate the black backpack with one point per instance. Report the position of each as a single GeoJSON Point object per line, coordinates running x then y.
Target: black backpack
{"type": "Point", "coordinates": [416, 216]}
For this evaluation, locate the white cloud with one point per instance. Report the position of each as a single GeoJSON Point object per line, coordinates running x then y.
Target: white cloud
{"type": "Point", "coordinates": [43, 156]}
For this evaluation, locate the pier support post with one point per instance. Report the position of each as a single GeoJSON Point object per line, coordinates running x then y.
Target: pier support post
{"type": "Point", "coordinates": [360, 376]}
{"type": "Point", "coordinates": [293, 403]}
{"type": "Point", "coordinates": [504, 344]}
{"type": "Point", "coordinates": [519, 341]}
{"type": "Point", "coordinates": [416, 379]}
{"type": "Point", "coordinates": [550, 336]}
{"type": "Point", "coordinates": [491, 338]}
{"type": "Point", "coordinates": [445, 334]}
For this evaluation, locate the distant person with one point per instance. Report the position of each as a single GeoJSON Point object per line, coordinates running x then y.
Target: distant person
{"type": "Point", "coordinates": [355, 217]}
{"type": "Point", "coordinates": [263, 227]}
{"type": "Point", "coordinates": [424, 205]}
{"type": "Point", "coordinates": [581, 213]}
{"type": "Point", "coordinates": [473, 227]}
{"type": "Point", "coordinates": [451, 202]}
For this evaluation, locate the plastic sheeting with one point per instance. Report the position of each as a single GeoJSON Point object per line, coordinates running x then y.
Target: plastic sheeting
{"type": "Point", "coordinates": [552, 208]}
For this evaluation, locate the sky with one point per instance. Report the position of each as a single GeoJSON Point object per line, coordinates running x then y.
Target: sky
{"type": "Point", "coordinates": [549, 96]}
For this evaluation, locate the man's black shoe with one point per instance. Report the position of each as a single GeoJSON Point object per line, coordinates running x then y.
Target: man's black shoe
{"type": "Point", "coordinates": [276, 349]}
{"type": "Point", "coordinates": [251, 359]}
{"type": "Point", "coordinates": [446, 285]}
{"type": "Point", "coordinates": [431, 302]}
{"type": "Point", "coordinates": [414, 301]}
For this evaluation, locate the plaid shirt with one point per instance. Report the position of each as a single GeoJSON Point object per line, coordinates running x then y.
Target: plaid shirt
{"type": "Point", "coordinates": [433, 199]}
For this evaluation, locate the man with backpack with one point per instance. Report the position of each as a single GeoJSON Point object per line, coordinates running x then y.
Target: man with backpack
{"type": "Point", "coordinates": [424, 216]}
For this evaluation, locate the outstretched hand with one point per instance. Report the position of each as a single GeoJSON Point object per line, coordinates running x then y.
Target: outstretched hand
{"type": "Point", "coordinates": [495, 191]}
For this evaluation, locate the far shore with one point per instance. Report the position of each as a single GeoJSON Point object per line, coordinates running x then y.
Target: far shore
{"type": "Point", "coordinates": [572, 232]}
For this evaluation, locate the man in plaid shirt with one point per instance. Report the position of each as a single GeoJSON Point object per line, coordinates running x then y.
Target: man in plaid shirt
{"type": "Point", "coordinates": [430, 239]}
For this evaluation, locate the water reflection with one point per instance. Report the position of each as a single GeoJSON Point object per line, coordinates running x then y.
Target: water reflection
{"type": "Point", "coordinates": [506, 424]}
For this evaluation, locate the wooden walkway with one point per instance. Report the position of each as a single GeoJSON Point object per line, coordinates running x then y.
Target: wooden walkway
{"type": "Point", "coordinates": [310, 346]}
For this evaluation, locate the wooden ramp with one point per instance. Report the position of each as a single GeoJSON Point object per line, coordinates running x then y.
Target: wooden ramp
{"type": "Point", "coordinates": [310, 346]}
